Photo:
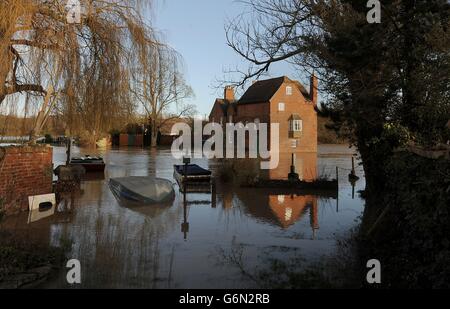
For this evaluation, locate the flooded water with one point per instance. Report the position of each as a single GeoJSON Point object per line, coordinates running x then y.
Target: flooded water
{"type": "Point", "coordinates": [188, 247]}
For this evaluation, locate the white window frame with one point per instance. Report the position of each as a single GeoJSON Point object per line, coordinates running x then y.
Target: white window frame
{"type": "Point", "coordinates": [288, 90]}
{"type": "Point", "coordinates": [296, 125]}
{"type": "Point", "coordinates": [281, 107]}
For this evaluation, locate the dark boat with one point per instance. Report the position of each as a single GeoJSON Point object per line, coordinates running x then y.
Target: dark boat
{"type": "Point", "coordinates": [192, 174]}
{"type": "Point", "coordinates": [90, 164]}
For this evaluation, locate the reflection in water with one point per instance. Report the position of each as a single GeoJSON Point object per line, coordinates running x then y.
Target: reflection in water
{"type": "Point", "coordinates": [290, 209]}
{"type": "Point", "coordinates": [123, 247]}
{"type": "Point", "coordinates": [305, 166]}
{"type": "Point", "coordinates": [280, 209]}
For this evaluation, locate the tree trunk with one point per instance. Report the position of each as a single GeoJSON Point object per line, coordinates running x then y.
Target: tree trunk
{"type": "Point", "coordinates": [154, 136]}
{"type": "Point", "coordinates": [375, 163]}
{"type": "Point", "coordinates": [42, 116]}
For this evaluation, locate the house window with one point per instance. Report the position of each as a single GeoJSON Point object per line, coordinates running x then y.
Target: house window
{"type": "Point", "coordinates": [281, 107]}
{"type": "Point", "coordinates": [288, 214]}
{"type": "Point", "coordinates": [296, 125]}
{"type": "Point", "coordinates": [294, 143]}
{"type": "Point", "coordinates": [288, 90]}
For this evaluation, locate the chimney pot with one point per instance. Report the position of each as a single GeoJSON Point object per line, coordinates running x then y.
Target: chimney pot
{"type": "Point", "coordinates": [229, 93]}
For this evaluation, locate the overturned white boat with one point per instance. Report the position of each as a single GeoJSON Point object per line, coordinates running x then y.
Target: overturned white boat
{"type": "Point", "coordinates": [143, 190]}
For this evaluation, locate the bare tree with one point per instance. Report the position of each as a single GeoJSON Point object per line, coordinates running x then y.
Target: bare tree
{"type": "Point", "coordinates": [84, 64]}
{"type": "Point", "coordinates": [159, 85]}
{"type": "Point", "coordinates": [378, 80]}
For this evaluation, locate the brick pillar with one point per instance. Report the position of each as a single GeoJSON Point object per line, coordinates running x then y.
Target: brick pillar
{"type": "Point", "coordinates": [24, 171]}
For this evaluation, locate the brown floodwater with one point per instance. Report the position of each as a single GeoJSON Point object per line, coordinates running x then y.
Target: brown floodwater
{"type": "Point", "coordinates": [189, 246]}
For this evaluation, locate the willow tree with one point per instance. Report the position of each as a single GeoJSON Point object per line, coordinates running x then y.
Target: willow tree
{"type": "Point", "coordinates": [81, 68]}
{"type": "Point", "coordinates": [160, 87]}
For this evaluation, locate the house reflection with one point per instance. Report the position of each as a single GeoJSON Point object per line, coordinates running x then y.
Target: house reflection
{"type": "Point", "coordinates": [279, 208]}
{"type": "Point", "coordinates": [288, 209]}
{"type": "Point", "coordinates": [305, 164]}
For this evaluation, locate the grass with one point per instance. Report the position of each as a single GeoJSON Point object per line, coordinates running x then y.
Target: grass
{"type": "Point", "coordinates": [340, 270]}
{"type": "Point", "coordinates": [19, 257]}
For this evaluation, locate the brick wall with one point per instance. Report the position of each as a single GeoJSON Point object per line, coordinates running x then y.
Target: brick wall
{"type": "Point", "coordinates": [24, 171]}
{"type": "Point", "coordinates": [294, 104]}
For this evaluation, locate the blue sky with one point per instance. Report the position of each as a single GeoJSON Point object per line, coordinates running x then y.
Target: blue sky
{"type": "Point", "coordinates": [195, 28]}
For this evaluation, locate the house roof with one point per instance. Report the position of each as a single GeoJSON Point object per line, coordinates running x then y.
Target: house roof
{"type": "Point", "coordinates": [224, 104]}
{"type": "Point", "coordinates": [295, 117]}
{"type": "Point", "coordinates": [262, 91]}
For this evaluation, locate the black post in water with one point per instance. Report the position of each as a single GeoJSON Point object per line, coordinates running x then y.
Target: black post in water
{"type": "Point", "coordinates": [352, 177]}
{"type": "Point", "coordinates": [185, 224]}
{"type": "Point", "coordinates": [293, 176]}
{"type": "Point", "coordinates": [213, 194]}
{"type": "Point", "coordinates": [69, 145]}
{"type": "Point", "coordinates": [186, 162]}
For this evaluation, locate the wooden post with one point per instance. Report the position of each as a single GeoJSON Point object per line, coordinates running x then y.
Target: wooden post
{"type": "Point", "coordinates": [353, 166]}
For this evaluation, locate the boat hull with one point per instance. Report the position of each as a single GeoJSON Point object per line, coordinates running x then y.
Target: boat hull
{"type": "Point", "coordinates": [142, 190]}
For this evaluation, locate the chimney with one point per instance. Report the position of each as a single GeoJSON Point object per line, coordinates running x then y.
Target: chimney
{"type": "Point", "coordinates": [313, 91]}
{"type": "Point", "coordinates": [229, 93]}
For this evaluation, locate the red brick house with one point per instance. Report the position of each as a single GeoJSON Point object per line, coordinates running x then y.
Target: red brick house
{"type": "Point", "coordinates": [283, 101]}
